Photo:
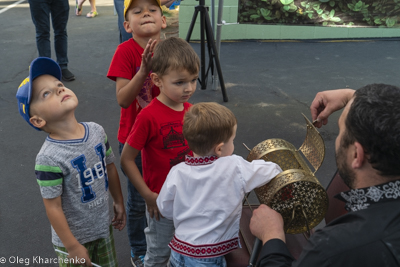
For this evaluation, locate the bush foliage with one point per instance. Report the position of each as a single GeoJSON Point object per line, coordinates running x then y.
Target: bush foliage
{"type": "Point", "coordinates": [350, 13]}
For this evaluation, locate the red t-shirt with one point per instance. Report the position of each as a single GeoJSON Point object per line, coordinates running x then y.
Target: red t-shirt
{"type": "Point", "coordinates": [157, 132]}
{"type": "Point", "coordinates": [125, 64]}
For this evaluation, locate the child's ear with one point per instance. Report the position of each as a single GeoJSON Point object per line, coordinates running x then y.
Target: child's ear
{"type": "Point", "coordinates": [164, 22]}
{"type": "Point", "coordinates": [37, 121]}
{"type": "Point", "coordinates": [127, 27]}
{"type": "Point", "coordinates": [156, 79]}
{"type": "Point", "coordinates": [218, 149]}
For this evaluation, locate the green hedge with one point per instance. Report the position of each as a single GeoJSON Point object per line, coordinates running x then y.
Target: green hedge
{"type": "Point", "coordinates": [350, 13]}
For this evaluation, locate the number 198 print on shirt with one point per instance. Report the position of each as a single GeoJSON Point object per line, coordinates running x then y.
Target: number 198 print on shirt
{"type": "Point", "coordinates": [87, 176]}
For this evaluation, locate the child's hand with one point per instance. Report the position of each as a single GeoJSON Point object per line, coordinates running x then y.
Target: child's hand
{"type": "Point", "coordinates": [152, 206]}
{"type": "Point", "coordinates": [147, 56]}
{"type": "Point", "coordinates": [119, 219]}
{"type": "Point", "coordinates": [81, 253]}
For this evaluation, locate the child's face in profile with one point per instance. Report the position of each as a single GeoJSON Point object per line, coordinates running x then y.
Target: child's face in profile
{"type": "Point", "coordinates": [144, 18]}
{"type": "Point", "coordinates": [176, 86]}
{"type": "Point", "coordinates": [228, 147]}
{"type": "Point", "coordinates": [51, 100]}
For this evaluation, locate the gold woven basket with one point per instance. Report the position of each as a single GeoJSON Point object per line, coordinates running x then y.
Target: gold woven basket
{"type": "Point", "coordinates": [295, 193]}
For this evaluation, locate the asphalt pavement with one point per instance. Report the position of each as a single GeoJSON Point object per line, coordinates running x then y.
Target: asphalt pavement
{"type": "Point", "coordinates": [269, 85]}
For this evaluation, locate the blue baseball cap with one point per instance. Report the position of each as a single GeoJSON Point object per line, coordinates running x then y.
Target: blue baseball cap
{"type": "Point", "coordinates": [39, 66]}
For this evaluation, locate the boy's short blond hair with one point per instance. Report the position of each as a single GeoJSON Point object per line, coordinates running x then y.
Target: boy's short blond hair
{"type": "Point", "coordinates": [174, 54]}
{"type": "Point", "coordinates": [206, 125]}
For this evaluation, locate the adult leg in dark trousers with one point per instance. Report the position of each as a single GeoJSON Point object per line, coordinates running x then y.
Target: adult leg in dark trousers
{"type": "Point", "coordinates": [119, 7]}
{"type": "Point", "coordinates": [136, 218]}
{"type": "Point", "coordinates": [41, 10]}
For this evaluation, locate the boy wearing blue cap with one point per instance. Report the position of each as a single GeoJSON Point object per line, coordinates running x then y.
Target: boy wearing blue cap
{"type": "Point", "coordinates": [74, 170]}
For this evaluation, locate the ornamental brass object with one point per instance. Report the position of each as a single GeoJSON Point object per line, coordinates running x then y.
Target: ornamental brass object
{"type": "Point", "coordinates": [295, 193]}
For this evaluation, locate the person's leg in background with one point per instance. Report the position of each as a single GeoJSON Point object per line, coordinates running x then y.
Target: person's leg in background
{"type": "Point", "coordinates": [40, 12]}
{"type": "Point", "coordinates": [119, 7]}
{"type": "Point", "coordinates": [59, 18]}
{"type": "Point", "coordinates": [136, 218]}
{"type": "Point", "coordinates": [93, 12]}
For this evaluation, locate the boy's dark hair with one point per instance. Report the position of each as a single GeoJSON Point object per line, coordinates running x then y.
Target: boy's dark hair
{"type": "Point", "coordinates": [205, 125]}
{"type": "Point", "coordinates": [373, 120]}
{"type": "Point", "coordinates": [174, 54]}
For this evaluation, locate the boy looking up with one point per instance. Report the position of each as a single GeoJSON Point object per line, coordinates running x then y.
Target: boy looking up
{"type": "Point", "coordinates": [74, 169]}
{"type": "Point", "coordinates": [130, 69]}
{"type": "Point", "coordinates": [203, 195]}
{"type": "Point", "coordinates": [157, 132]}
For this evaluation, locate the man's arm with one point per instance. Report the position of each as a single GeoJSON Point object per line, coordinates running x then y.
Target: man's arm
{"type": "Point", "coordinates": [267, 225]}
{"type": "Point", "coordinates": [119, 219]}
{"type": "Point", "coordinates": [327, 102]}
{"type": "Point", "coordinates": [57, 219]}
{"type": "Point", "coordinates": [274, 253]}
{"type": "Point", "coordinates": [127, 90]}
{"type": "Point", "coordinates": [129, 166]}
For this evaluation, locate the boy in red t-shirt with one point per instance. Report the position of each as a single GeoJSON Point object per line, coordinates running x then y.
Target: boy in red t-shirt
{"type": "Point", "coordinates": [135, 90]}
{"type": "Point", "coordinates": [157, 132]}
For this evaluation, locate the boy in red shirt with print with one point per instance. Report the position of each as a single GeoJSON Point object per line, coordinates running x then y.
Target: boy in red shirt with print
{"type": "Point", "coordinates": [135, 90]}
{"type": "Point", "coordinates": [157, 132]}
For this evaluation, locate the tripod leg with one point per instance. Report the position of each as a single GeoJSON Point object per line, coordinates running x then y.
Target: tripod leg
{"type": "Point", "coordinates": [211, 55]}
{"type": "Point", "coordinates": [189, 34]}
{"type": "Point", "coordinates": [202, 79]}
{"type": "Point", "coordinates": [210, 39]}
{"type": "Point", "coordinates": [210, 65]}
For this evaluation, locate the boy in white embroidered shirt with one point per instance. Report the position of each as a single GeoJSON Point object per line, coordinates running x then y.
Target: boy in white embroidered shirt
{"type": "Point", "coordinates": [203, 195]}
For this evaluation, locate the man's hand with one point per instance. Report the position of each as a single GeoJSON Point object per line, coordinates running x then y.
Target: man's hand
{"type": "Point", "coordinates": [327, 102]}
{"type": "Point", "coordinates": [267, 224]}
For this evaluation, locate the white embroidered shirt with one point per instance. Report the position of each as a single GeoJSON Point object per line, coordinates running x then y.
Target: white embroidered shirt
{"type": "Point", "coordinates": [203, 196]}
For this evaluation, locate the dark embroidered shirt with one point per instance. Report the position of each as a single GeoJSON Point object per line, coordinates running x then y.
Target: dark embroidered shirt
{"type": "Point", "coordinates": [368, 236]}
{"type": "Point", "coordinates": [359, 199]}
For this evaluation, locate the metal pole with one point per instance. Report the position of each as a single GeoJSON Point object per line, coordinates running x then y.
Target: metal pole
{"type": "Point", "coordinates": [214, 75]}
{"type": "Point", "coordinates": [202, 47]}
{"type": "Point", "coordinates": [218, 40]}
{"type": "Point", "coordinates": [210, 39]}
{"type": "Point", "coordinates": [213, 15]}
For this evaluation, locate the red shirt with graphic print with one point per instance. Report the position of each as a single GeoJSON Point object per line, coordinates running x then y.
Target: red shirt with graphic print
{"type": "Point", "coordinates": [157, 132]}
{"type": "Point", "coordinates": [125, 64]}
